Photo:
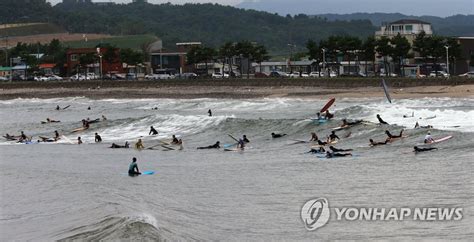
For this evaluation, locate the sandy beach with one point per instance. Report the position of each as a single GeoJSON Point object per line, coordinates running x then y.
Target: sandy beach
{"type": "Point", "coordinates": [98, 90]}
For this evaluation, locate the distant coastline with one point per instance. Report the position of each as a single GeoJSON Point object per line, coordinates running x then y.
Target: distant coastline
{"type": "Point", "coordinates": [242, 88]}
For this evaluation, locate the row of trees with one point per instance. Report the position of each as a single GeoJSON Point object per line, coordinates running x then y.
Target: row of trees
{"type": "Point", "coordinates": [226, 53]}
{"type": "Point", "coordinates": [395, 50]}
{"type": "Point", "coordinates": [55, 53]}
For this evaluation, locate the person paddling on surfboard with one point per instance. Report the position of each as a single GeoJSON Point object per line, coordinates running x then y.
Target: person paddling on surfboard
{"type": "Point", "coordinates": [277, 135]}
{"type": "Point", "coordinates": [217, 145]}
{"type": "Point", "coordinates": [373, 143]}
{"type": "Point", "coordinates": [133, 168]}
{"type": "Point", "coordinates": [381, 121]}
{"type": "Point", "coordinates": [428, 138]}
{"type": "Point", "coordinates": [417, 149]}
{"type": "Point", "coordinates": [333, 154]}
{"type": "Point", "coordinates": [152, 131]}
{"type": "Point", "coordinates": [114, 145]}
{"type": "Point", "coordinates": [391, 136]}
{"type": "Point", "coordinates": [314, 137]}
{"type": "Point", "coordinates": [334, 149]}
{"type": "Point", "coordinates": [345, 123]}
{"type": "Point", "coordinates": [319, 150]}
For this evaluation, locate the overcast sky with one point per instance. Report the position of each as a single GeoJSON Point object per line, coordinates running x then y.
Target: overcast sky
{"type": "Point", "coordinates": [441, 8]}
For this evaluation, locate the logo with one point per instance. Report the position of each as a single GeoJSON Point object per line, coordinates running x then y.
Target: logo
{"type": "Point", "coordinates": [315, 213]}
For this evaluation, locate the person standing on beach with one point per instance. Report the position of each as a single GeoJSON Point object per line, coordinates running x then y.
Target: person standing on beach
{"type": "Point", "coordinates": [381, 121]}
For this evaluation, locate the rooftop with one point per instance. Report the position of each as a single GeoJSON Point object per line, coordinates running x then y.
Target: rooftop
{"type": "Point", "coordinates": [409, 21]}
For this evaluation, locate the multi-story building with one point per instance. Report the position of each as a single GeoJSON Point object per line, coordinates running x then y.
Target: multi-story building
{"type": "Point", "coordinates": [74, 61]}
{"type": "Point", "coordinates": [407, 28]}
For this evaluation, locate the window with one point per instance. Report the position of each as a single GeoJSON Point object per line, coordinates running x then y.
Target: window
{"type": "Point", "coordinates": [409, 28]}
{"type": "Point", "coordinates": [73, 57]}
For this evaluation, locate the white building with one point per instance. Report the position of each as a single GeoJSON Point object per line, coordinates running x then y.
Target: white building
{"type": "Point", "coordinates": [408, 28]}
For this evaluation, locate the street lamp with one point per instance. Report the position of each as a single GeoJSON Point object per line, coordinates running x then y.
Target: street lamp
{"type": "Point", "coordinates": [324, 60]}
{"type": "Point", "coordinates": [447, 58]}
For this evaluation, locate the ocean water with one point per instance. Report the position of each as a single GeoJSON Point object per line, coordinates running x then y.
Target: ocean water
{"type": "Point", "coordinates": [64, 191]}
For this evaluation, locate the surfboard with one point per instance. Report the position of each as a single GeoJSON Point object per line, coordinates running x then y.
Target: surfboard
{"type": "Point", "coordinates": [78, 129]}
{"type": "Point", "coordinates": [341, 127]}
{"type": "Point", "coordinates": [332, 142]}
{"type": "Point", "coordinates": [439, 140]}
{"type": "Point", "coordinates": [94, 121]}
{"type": "Point", "coordinates": [148, 172]}
{"type": "Point", "coordinates": [234, 149]}
{"type": "Point", "coordinates": [66, 107]}
{"type": "Point", "coordinates": [328, 105]}
{"type": "Point", "coordinates": [385, 89]}
{"type": "Point", "coordinates": [319, 120]}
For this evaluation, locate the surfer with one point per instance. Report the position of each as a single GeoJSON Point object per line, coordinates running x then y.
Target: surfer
{"type": "Point", "coordinates": [277, 135]}
{"type": "Point", "coordinates": [322, 143]}
{"type": "Point", "coordinates": [139, 144]}
{"type": "Point", "coordinates": [89, 108]}
{"type": "Point", "coordinates": [79, 140]}
{"type": "Point", "coordinates": [373, 143]}
{"type": "Point", "coordinates": [56, 135]}
{"type": "Point", "coordinates": [175, 140]}
{"type": "Point", "coordinates": [217, 145]}
{"type": "Point", "coordinates": [381, 121]}
{"type": "Point", "coordinates": [97, 138]}
{"type": "Point", "coordinates": [133, 168]}
{"type": "Point", "coordinates": [244, 138]}
{"type": "Point", "coordinates": [314, 137]}
{"type": "Point", "coordinates": [10, 137]}
{"type": "Point", "coordinates": [391, 136]}
{"type": "Point", "coordinates": [210, 113]}
{"type": "Point", "coordinates": [345, 123]}
{"type": "Point", "coordinates": [23, 137]}
{"type": "Point", "coordinates": [334, 149]}
{"type": "Point", "coordinates": [57, 107]}
{"type": "Point", "coordinates": [417, 126]}
{"type": "Point", "coordinates": [114, 145]}
{"type": "Point", "coordinates": [241, 144]}
{"type": "Point", "coordinates": [52, 121]}
{"type": "Point", "coordinates": [333, 154]}
{"type": "Point", "coordinates": [428, 138]}
{"type": "Point", "coordinates": [152, 131]}
{"type": "Point", "coordinates": [417, 149]}
{"type": "Point", "coordinates": [319, 150]}
{"type": "Point", "coordinates": [328, 115]}
{"type": "Point", "coordinates": [332, 137]}
{"type": "Point", "coordinates": [104, 118]}
{"type": "Point", "coordinates": [85, 124]}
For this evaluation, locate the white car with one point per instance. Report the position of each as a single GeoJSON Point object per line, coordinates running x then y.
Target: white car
{"type": "Point", "coordinates": [218, 75]}
{"type": "Point", "coordinates": [469, 74]}
{"type": "Point", "coordinates": [316, 74]}
{"type": "Point", "coordinates": [304, 75]}
{"type": "Point", "coordinates": [294, 75]}
{"type": "Point", "coordinates": [439, 74]}
{"type": "Point", "coordinates": [2, 78]}
{"type": "Point", "coordinates": [55, 78]}
{"type": "Point", "coordinates": [78, 77]}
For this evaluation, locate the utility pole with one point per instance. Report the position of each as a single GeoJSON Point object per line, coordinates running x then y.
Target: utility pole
{"type": "Point", "coordinates": [447, 58]}
{"type": "Point", "coordinates": [324, 61]}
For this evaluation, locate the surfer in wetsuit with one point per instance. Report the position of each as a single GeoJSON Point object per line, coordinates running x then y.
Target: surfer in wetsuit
{"type": "Point", "coordinates": [57, 107]}
{"type": "Point", "coordinates": [333, 154]}
{"type": "Point", "coordinates": [277, 135]}
{"type": "Point", "coordinates": [175, 140]}
{"type": "Point", "coordinates": [328, 115]}
{"type": "Point", "coordinates": [139, 144]}
{"type": "Point", "coordinates": [417, 149]}
{"type": "Point", "coordinates": [241, 144]}
{"type": "Point", "coordinates": [322, 143]}
{"type": "Point", "coordinates": [152, 131]}
{"type": "Point", "coordinates": [79, 140]}
{"type": "Point", "coordinates": [23, 137]}
{"type": "Point", "coordinates": [104, 118]}
{"type": "Point", "coordinates": [317, 150]}
{"type": "Point", "coordinates": [114, 145]}
{"type": "Point", "coordinates": [332, 137]}
{"type": "Point", "coordinates": [373, 143]}
{"type": "Point", "coordinates": [97, 138]}
{"type": "Point", "coordinates": [210, 113]}
{"type": "Point", "coordinates": [390, 136]}
{"type": "Point", "coordinates": [334, 149]}
{"type": "Point", "coordinates": [314, 137]}
{"type": "Point", "coordinates": [217, 145]}
{"type": "Point", "coordinates": [417, 126]}
{"type": "Point", "coordinates": [345, 123]}
{"type": "Point", "coordinates": [428, 138]}
{"type": "Point", "coordinates": [381, 121]}
{"type": "Point", "coordinates": [56, 135]}
{"type": "Point", "coordinates": [244, 138]}
{"type": "Point", "coordinates": [133, 168]}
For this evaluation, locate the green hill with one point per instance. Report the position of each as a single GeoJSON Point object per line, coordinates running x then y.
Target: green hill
{"type": "Point", "coordinates": [31, 29]}
{"type": "Point", "coordinates": [128, 41]}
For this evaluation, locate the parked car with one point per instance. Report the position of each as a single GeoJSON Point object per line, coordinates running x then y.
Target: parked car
{"type": "Point", "coordinates": [469, 74]}
{"type": "Point", "coordinates": [304, 75]}
{"type": "Point", "coordinates": [2, 78]}
{"type": "Point", "coordinates": [316, 74]}
{"type": "Point", "coordinates": [55, 78]}
{"type": "Point", "coordinates": [78, 77]}
{"type": "Point", "coordinates": [131, 76]}
{"type": "Point", "coordinates": [439, 74]}
{"type": "Point", "coordinates": [278, 74]}
{"type": "Point", "coordinates": [218, 75]}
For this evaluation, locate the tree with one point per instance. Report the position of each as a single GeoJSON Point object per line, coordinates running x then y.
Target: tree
{"type": "Point", "coordinates": [384, 49]}
{"type": "Point", "coordinates": [400, 50]}
{"type": "Point", "coordinates": [226, 52]}
{"type": "Point", "coordinates": [368, 51]}
{"type": "Point", "coordinates": [245, 49]}
{"type": "Point", "coordinates": [421, 45]}
{"type": "Point", "coordinates": [454, 52]}
{"type": "Point", "coordinates": [260, 55]}
{"type": "Point", "coordinates": [314, 52]}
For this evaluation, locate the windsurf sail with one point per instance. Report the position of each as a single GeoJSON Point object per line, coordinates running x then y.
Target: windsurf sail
{"type": "Point", "coordinates": [385, 89]}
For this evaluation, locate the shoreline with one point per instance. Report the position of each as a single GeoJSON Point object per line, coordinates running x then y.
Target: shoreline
{"type": "Point", "coordinates": [233, 89]}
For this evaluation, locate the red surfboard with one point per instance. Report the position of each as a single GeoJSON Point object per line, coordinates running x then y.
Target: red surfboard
{"type": "Point", "coordinates": [328, 105]}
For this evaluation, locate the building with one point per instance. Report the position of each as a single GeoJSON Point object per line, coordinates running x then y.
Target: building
{"type": "Point", "coordinates": [74, 65]}
{"type": "Point", "coordinates": [407, 28]}
{"type": "Point", "coordinates": [139, 1]}
{"type": "Point", "coordinates": [76, 1]}
{"type": "Point", "coordinates": [173, 61]}
{"type": "Point", "coordinates": [466, 61]}
{"type": "Point", "coordinates": [5, 71]}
